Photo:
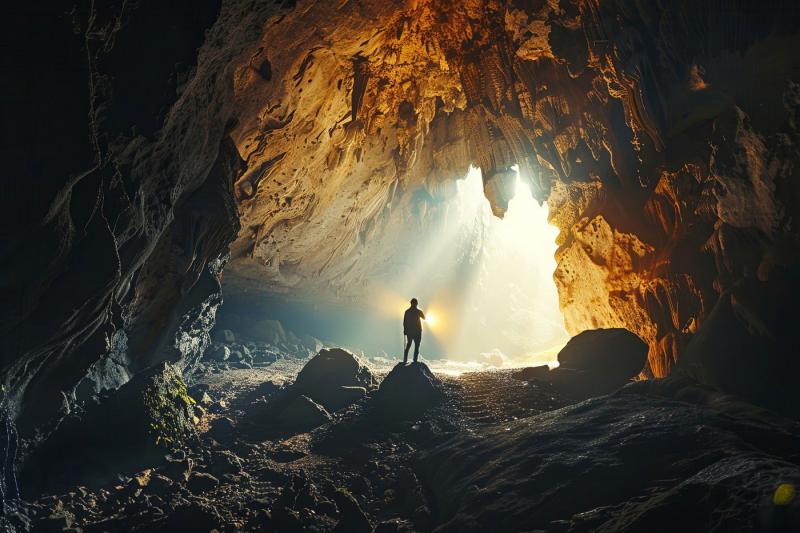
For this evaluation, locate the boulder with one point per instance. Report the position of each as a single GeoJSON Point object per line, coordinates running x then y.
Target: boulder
{"type": "Point", "coordinates": [407, 392]}
{"type": "Point", "coordinates": [335, 378]}
{"type": "Point", "coordinates": [614, 351]}
{"type": "Point", "coordinates": [128, 432]}
{"type": "Point", "coordinates": [223, 430]}
{"type": "Point", "coordinates": [598, 361]}
{"type": "Point", "coordinates": [302, 414]}
{"type": "Point", "coordinates": [178, 469]}
{"type": "Point", "coordinates": [224, 462]}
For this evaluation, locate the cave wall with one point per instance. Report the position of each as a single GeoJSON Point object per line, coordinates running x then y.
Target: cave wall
{"type": "Point", "coordinates": [117, 197]}
{"type": "Point", "coordinates": [312, 135]}
{"type": "Point", "coordinates": [662, 136]}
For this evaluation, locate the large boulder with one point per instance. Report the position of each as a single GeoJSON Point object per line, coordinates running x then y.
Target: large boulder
{"type": "Point", "coordinates": [407, 392]}
{"type": "Point", "coordinates": [599, 361]}
{"type": "Point", "coordinates": [334, 378]}
{"type": "Point", "coordinates": [128, 432]}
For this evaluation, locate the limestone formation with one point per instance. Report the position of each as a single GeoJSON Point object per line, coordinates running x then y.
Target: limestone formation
{"type": "Point", "coordinates": [306, 137]}
{"type": "Point", "coordinates": [660, 164]}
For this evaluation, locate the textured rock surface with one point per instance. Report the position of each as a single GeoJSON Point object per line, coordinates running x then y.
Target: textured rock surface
{"type": "Point", "coordinates": [334, 377]}
{"type": "Point", "coordinates": [664, 145]}
{"type": "Point", "coordinates": [664, 140]}
{"type": "Point", "coordinates": [407, 392]}
{"type": "Point", "coordinates": [665, 453]}
{"type": "Point", "coordinates": [118, 187]}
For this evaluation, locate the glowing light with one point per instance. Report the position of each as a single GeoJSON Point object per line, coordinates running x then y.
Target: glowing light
{"type": "Point", "coordinates": [388, 303]}
{"type": "Point", "coordinates": [430, 319]}
{"type": "Point", "coordinates": [510, 307]}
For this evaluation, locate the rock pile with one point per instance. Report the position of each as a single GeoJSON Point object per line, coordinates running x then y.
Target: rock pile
{"type": "Point", "coordinates": [330, 381]}
{"type": "Point", "coordinates": [260, 346]}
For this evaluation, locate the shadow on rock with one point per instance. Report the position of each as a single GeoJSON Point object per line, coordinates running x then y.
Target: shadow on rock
{"type": "Point", "coordinates": [637, 460]}
{"type": "Point", "coordinates": [128, 432]}
{"type": "Point", "coordinates": [747, 346]}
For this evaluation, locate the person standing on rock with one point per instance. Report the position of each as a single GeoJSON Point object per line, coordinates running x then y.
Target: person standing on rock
{"type": "Point", "coordinates": [412, 328]}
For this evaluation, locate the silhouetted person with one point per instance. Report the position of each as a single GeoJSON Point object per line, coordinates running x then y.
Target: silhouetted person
{"type": "Point", "coordinates": [412, 329]}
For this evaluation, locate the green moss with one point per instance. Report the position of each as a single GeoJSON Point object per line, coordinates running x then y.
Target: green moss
{"type": "Point", "coordinates": [169, 407]}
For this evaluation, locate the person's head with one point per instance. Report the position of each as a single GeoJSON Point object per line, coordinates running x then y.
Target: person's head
{"type": "Point", "coordinates": [413, 302]}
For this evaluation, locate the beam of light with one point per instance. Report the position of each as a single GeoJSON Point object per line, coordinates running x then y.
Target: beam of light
{"type": "Point", "coordinates": [511, 306]}
{"type": "Point", "coordinates": [485, 284]}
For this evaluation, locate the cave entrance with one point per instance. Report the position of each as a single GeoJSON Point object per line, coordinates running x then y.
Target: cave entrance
{"type": "Point", "coordinates": [510, 313]}
{"type": "Point", "coordinates": [485, 283]}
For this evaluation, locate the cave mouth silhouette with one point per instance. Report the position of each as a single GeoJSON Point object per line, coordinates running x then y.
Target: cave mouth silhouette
{"type": "Point", "coordinates": [485, 282]}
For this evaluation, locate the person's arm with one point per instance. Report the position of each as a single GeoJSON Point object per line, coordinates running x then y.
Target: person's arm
{"type": "Point", "coordinates": [421, 314]}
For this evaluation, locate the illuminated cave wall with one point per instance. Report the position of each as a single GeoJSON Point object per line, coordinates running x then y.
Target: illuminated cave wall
{"type": "Point", "coordinates": [664, 139]}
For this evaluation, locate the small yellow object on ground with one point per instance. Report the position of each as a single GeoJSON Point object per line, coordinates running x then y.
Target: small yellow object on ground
{"type": "Point", "coordinates": [784, 494]}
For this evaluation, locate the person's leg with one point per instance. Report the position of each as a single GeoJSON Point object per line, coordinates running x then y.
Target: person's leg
{"type": "Point", "coordinates": [417, 340]}
{"type": "Point", "coordinates": [408, 345]}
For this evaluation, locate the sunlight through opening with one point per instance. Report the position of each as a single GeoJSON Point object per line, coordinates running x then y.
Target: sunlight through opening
{"type": "Point", "coordinates": [484, 283]}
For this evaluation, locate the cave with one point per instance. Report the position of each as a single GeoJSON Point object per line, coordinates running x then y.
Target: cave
{"type": "Point", "coordinates": [215, 214]}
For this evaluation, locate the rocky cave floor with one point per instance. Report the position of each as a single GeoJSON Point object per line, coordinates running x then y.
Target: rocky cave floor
{"type": "Point", "coordinates": [498, 453]}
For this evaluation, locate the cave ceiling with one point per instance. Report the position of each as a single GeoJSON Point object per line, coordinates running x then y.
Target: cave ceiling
{"type": "Point", "coordinates": [308, 138]}
{"type": "Point", "coordinates": [631, 120]}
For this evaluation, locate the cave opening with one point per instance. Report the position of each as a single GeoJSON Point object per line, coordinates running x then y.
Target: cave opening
{"type": "Point", "coordinates": [212, 228]}
{"type": "Point", "coordinates": [484, 282]}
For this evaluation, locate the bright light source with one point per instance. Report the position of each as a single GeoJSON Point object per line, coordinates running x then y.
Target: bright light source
{"type": "Point", "coordinates": [430, 319]}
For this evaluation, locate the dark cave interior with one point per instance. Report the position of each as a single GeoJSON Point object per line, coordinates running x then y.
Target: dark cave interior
{"type": "Point", "coordinates": [180, 174]}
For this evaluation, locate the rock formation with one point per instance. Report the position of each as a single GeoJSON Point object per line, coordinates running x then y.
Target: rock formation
{"type": "Point", "coordinates": [145, 139]}
{"type": "Point", "coordinates": [335, 378]}
{"type": "Point", "coordinates": [645, 130]}
{"type": "Point", "coordinates": [534, 474]}
{"type": "Point", "coordinates": [407, 392]}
